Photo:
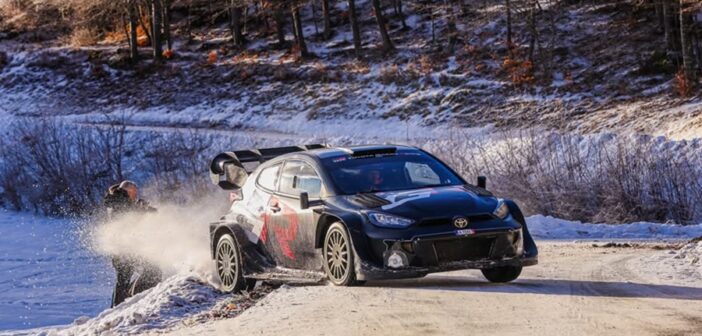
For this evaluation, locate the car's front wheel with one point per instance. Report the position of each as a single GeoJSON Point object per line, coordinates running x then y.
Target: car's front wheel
{"type": "Point", "coordinates": [338, 256]}
{"type": "Point", "coordinates": [502, 274]}
{"type": "Point", "coordinates": [229, 265]}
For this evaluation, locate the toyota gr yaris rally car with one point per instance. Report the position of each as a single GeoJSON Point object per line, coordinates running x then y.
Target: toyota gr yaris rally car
{"type": "Point", "coordinates": [360, 213]}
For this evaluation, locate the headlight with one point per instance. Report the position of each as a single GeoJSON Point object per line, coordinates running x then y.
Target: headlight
{"type": "Point", "coordinates": [389, 221]}
{"type": "Point", "coordinates": [502, 211]}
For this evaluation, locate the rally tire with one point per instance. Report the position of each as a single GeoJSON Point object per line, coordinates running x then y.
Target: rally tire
{"type": "Point", "coordinates": [502, 274]}
{"type": "Point", "coordinates": [229, 264]}
{"type": "Point", "coordinates": [338, 256]}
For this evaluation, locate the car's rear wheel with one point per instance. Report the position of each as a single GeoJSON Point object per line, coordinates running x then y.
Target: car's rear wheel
{"type": "Point", "coordinates": [229, 265]}
{"type": "Point", "coordinates": [339, 256]}
{"type": "Point", "coordinates": [502, 274]}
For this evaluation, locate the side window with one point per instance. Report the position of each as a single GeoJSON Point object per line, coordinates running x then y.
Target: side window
{"type": "Point", "coordinates": [268, 178]}
{"type": "Point", "coordinates": [421, 174]}
{"type": "Point", "coordinates": [298, 177]}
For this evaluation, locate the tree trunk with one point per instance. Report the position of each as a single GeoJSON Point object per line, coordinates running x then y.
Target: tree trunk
{"type": "Point", "coordinates": [433, 25]}
{"type": "Point", "coordinates": [297, 24]}
{"type": "Point", "coordinates": [235, 24]}
{"type": "Point", "coordinates": [451, 26]}
{"type": "Point", "coordinates": [125, 23]}
{"type": "Point", "coordinates": [534, 32]}
{"type": "Point", "coordinates": [354, 28]}
{"type": "Point", "coordinates": [696, 52]}
{"type": "Point", "coordinates": [167, 23]}
{"type": "Point", "coordinates": [401, 14]}
{"type": "Point", "coordinates": [145, 27]}
{"type": "Point", "coordinates": [667, 30]}
{"type": "Point", "coordinates": [189, 24]}
{"type": "Point", "coordinates": [327, 19]}
{"type": "Point", "coordinates": [280, 26]}
{"type": "Point", "coordinates": [387, 42]}
{"type": "Point", "coordinates": [133, 43]}
{"type": "Point", "coordinates": [659, 12]}
{"type": "Point", "coordinates": [508, 7]}
{"type": "Point", "coordinates": [156, 42]}
{"type": "Point", "coordinates": [685, 47]}
{"type": "Point", "coordinates": [294, 31]}
{"type": "Point", "coordinates": [314, 18]}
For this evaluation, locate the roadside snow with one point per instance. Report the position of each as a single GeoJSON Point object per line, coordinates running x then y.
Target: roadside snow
{"type": "Point", "coordinates": [163, 306]}
{"type": "Point", "coordinates": [547, 227]}
{"type": "Point", "coordinates": [683, 265]}
{"type": "Point", "coordinates": [47, 277]}
{"type": "Point", "coordinates": [189, 298]}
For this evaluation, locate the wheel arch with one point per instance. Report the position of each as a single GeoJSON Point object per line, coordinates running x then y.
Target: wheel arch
{"type": "Point", "coordinates": [324, 222]}
{"type": "Point", "coordinates": [218, 232]}
{"type": "Point", "coordinates": [253, 260]}
{"type": "Point", "coordinates": [529, 243]}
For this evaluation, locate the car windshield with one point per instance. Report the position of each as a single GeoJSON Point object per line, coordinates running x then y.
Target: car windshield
{"type": "Point", "coordinates": [399, 171]}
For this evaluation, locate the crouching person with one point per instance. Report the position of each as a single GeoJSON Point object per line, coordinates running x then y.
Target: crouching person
{"type": "Point", "coordinates": [134, 275]}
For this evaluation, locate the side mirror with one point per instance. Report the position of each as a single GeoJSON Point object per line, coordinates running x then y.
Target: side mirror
{"type": "Point", "coordinates": [482, 182]}
{"type": "Point", "coordinates": [304, 201]}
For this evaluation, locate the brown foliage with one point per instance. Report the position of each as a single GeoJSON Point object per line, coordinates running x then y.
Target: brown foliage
{"type": "Point", "coordinates": [683, 87]}
{"type": "Point", "coordinates": [520, 72]}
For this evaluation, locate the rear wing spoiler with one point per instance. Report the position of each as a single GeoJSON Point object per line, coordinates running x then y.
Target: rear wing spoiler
{"type": "Point", "coordinates": [227, 169]}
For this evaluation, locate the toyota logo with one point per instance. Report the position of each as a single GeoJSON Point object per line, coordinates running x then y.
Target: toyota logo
{"type": "Point", "coordinates": [460, 222]}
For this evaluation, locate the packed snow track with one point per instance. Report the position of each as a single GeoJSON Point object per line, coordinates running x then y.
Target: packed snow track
{"type": "Point", "coordinates": [577, 289]}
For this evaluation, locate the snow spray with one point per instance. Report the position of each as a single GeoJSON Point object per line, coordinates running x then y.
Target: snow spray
{"type": "Point", "coordinates": [175, 238]}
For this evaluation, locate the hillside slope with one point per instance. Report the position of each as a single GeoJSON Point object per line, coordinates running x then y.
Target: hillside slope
{"type": "Point", "coordinates": [597, 70]}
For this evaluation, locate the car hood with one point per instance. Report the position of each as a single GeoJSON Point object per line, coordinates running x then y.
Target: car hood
{"type": "Point", "coordinates": [429, 202]}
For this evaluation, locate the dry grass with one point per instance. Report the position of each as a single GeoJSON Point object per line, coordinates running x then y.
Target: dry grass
{"type": "Point", "coordinates": [613, 180]}
{"type": "Point", "coordinates": [82, 37]}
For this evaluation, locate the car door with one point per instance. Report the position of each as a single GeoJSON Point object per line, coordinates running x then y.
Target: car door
{"type": "Point", "coordinates": [293, 228]}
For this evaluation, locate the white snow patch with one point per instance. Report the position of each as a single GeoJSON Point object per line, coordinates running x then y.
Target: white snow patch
{"type": "Point", "coordinates": [161, 307]}
{"type": "Point", "coordinates": [547, 227]}
{"type": "Point", "coordinates": [681, 266]}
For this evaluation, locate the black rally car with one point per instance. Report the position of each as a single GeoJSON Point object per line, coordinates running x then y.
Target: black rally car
{"type": "Point", "coordinates": [360, 213]}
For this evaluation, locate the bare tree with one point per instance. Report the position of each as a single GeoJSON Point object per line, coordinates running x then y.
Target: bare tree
{"type": "Point", "coordinates": [326, 15]}
{"type": "Point", "coordinates": [451, 25]}
{"type": "Point", "coordinates": [685, 45]}
{"type": "Point", "coordinates": [667, 29]}
{"type": "Point", "coordinates": [397, 4]}
{"type": "Point", "coordinates": [133, 39]}
{"type": "Point", "coordinates": [279, 25]}
{"type": "Point", "coordinates": [353, 19]}
{"type": "Point", "coordinates": [156, 16]}
{"type": "Point", "coordinates": [235, 13]}
{"type": "Point", "coordinates": [299, 33]}
{"type": "Point", "coordinates": [508, 9]}
{"type": "Point", "coordinates": [167, 23]}
{"type": "Point", "coordinates": [388, 46]}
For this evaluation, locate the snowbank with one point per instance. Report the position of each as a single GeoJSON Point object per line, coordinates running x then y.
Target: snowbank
{"type": "Point", "coordinates": [683, 265]}
{"type": "Point", "coordinates": [164, 306]}
{"type": "Point", "coordinates": [547, 227]}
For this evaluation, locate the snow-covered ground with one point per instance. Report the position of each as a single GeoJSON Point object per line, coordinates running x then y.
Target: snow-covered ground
{"type": "Point", "coordinates": [546, 227]}
{"type": "Point", "coordinates": [47, 276]}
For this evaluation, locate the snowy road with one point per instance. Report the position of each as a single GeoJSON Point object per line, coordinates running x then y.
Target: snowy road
{"type": "Point", "coordinates": [577, 289]}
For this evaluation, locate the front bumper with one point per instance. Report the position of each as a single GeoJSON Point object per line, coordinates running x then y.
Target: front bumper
{"type": "Point", "coordinates": [419, 255]}
{"type": "Point", "coordinates": [367, 271]}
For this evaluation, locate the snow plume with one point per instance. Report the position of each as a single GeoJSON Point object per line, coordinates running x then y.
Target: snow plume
{"type": "Point", "coordinates": [175, 238]}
